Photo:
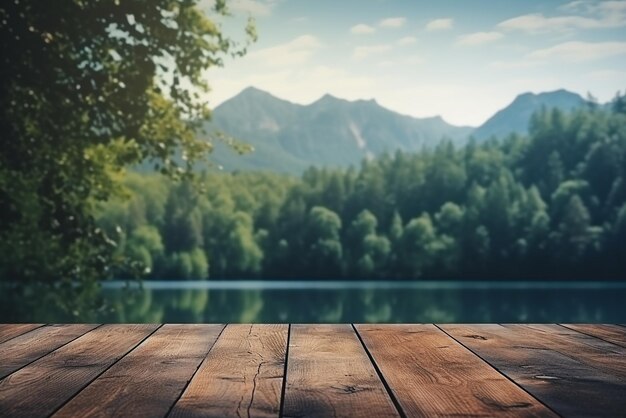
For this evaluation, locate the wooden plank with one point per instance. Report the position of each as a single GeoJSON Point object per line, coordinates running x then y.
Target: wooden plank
{"type": "Point", "coordinates": [612, 333]}
{"type": "Point", "coordinates": [566, 384]}
{"type": "Point", "coordinates": [241, 376]}
{"type": "Point", "coordinates": [26, 348]}
{"type": "Point", "coordinates": [149, 379]}
{"type": "Point", "coordinates": [330, 374]}
{"type": "Point", "coordinates": [602, 355]}
{"type": "Point", "coordinates": [40, 388]}
{"type": "Point", "coordinates": [430, 374]}
{"type": "Point", "coordinates": [8, 331]}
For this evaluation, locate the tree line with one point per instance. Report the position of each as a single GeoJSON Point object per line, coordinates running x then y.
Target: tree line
{"type": "Point", "coordinates": [547, 205]}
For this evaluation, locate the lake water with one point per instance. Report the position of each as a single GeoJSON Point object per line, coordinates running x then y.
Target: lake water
{"type": "Point", "coordinates": [346, 301]}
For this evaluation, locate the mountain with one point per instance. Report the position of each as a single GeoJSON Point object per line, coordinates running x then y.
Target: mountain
{"type": "Point", "coordinates": [515, 117]}
{"type": "Point", "coordinates": [332, 132]}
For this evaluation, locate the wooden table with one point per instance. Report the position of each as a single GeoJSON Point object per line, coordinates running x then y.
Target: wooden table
{"type": "Point", "coordinates": [312, 370]}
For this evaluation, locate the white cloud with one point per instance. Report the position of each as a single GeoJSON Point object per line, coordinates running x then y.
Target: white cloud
{"type": "Point", "coordinates": [293, 53]}
{"type": "Point", "coordinates": [312, 82]}
{"type": "Point", "coordinates": [439, 24]}
{"type": "Point", "coordinates": [537, 23]}
{"type": "Point", "coordinates": [392, 22]}
{"type": "Point", "coordinates": [576, 51]}
{"type": "Point", "coordinates": [572, 52]}
{"type": "Point", "coordinates": [361, 52]}
{"type": "Point", "coordinates": [407, 40]}
{"type": "Point", "coordinates": [362, 29]}
{"type": "Point", "coordinates": [591, 6]}
{"type": "Point", "coordinates": [478, 38]}
{"type": "Point", "coordinates": [583, 14]}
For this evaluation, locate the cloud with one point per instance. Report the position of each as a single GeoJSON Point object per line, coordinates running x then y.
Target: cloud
{"type": "Point", "coordinates": [407, 40]}
{"type": "Point", "coordinates": [590, 6]}
{"type": "Point", "coordinates": [439, 24]}
{"type": "Point", "coordinates": [537, 23]}
{"type": "Point", "coordinates": [362, 29]}
{"type": "Point", "coordinates": [569, 52]}
{"type": "Point", "coordinates": [361, 52]}
{"type": "Point", "coordinates": [293, 53]}
{"type": "Point", "coordinates": [583, 15]}
{"type": "Point", "coordinates": [312, 83]}
{"type": "Point", "coordinates": [478, 38]}
{"type": "Point", "coordinates": [392, 22]}
{"type": "Point", "coordinates": [576, 51]}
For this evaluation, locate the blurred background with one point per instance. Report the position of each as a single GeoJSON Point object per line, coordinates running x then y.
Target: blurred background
{"type": "Point", "coordinates": [291, 161]}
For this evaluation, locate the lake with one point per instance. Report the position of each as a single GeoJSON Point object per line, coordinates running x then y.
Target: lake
{"type": "Point", "coordinates": [370, 301]}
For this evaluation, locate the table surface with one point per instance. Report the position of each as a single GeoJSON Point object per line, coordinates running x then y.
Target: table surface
{"type": "Point", "coordinates": [298, 370]}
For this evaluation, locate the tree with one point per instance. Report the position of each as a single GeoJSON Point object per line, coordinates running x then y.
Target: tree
{"type": "Point", "coordinates": [369, 251]}
{"type": "Point", "coordinates": [86, 89]}
{"type": "Point", "coordinates": [325, 251]}
{"type": "Point", "coordinates": [574, 232]}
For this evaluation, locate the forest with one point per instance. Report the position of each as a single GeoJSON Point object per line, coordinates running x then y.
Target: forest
{"type": "Point", "coordinates": [548, 205]}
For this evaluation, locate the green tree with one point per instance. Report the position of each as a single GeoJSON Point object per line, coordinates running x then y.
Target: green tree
{"type": "Point", "coordinates": [86, 89]}
{"type": "Point", "coordinates": [325, 251]}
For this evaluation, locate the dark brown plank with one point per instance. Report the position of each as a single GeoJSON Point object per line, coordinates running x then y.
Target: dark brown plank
{"type": "Point", "coordinates": [612, 333]}
{"type": "Point", "coordinates": [8, 331]}
{"type": "Point", "coordinates": [430, 374]}
{"type": "Point", "coordinates": [241, 376]}
{"type": "Point", "coordinates": [40, 388]}
{"type": "Point", "coordinates": [149, 379]}
{"type": "Point", "coordinates": [330, 374]}
{"type": "Point", "coordinates": [566, 384]}
{"type": "Point", "coordinates": [600, 354]}
{"type": "Point", "coordinates": [26, 348]}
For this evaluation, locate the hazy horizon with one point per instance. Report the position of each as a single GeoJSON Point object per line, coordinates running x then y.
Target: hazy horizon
{"type": "Point", "coordinates": [423, 59]}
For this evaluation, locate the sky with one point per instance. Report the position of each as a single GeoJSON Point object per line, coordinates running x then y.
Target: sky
{"type": "Point", "coordinates": [462, 60]}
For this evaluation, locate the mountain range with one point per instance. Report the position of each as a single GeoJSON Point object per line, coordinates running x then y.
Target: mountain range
{"type": "Point", "coordinates": [333, 132]}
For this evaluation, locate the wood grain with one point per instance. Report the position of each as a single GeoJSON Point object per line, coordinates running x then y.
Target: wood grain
{"type": "Point", "coordinates": [430, 374]}
{"type": "Point", "coordinates": [28, 347]}
{"type": "Point", "coordinates": [600, 354]}
{"type": "Point", "coordinates": [566, 384]}
{"type": "Point", "coordinates": [330, 374]}
{"type": "Point", "coordinates": [611, 333]}
{"type": "Point", "coordinates": [148, 380]}
{"type": "Point", "coordinates": [8, 331]}
{"type": "Point", "coordinates": [38, 389]}
{"type": "Point", "coordinates": [241, 376]}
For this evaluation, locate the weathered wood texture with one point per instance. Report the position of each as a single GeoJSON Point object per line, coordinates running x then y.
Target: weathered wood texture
{"type": "Point", "coordinates": [312, 370]}
{"type": "Point", "coordinates": [26, 348]}
{"type": "Point", "coordinates": [38, 389]}
{"type": "Point", "coordinates": [612, 333]}
{"type": "Point", "coordinates": [241, 376]}
{"type": "Point", "coordinates": [329, 374]}
{"type": "Point", "coordinates": [432, 375]}
{"type": "Point", "coordinates": [556, 369]}
{"type": "Point", "coordinates": [148, 380]}
{"type": "Point", "coordinates": [8, 331]}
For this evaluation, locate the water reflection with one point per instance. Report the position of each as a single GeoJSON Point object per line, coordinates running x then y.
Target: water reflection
{"type": "Point", "coordinates": [332, 303]}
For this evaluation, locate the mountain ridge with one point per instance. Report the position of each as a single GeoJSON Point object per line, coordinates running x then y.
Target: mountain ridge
{"type": "Point", "coordinates": [336, 132]}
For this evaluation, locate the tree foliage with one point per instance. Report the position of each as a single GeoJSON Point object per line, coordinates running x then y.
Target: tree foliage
{"type": "Point", "coordinates": [480, 211]}
{"type": "Point", "coordinates": [88, 88]}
